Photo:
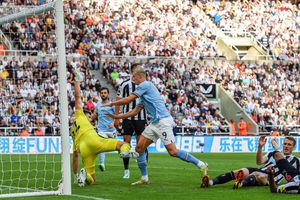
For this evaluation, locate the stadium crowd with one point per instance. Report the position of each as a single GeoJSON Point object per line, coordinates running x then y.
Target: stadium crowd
{"type": "Point", "coordinates": [160, 28]}
{"type": "Point", "coordinates": [156, 28]}
{"type": "Point", "coordinates": [276, 24]}
{"type": "Point", "coordinates": [130, 28]}
{"type": "Point", "coordinates": [29, 95]}
{"type": "Point", "coordinates": [269, 93]}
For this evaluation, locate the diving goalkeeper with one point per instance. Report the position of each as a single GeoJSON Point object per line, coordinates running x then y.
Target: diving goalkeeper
{"type": "Point", "coordinates": [87, 142]}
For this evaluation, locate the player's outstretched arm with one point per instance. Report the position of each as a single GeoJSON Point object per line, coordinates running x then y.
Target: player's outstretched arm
{"type": "Point", "coordinates": [94, 116]}
{"type": "Point", "coordinates": [117, 111]}
{"type": "Point", "coordinates": [131, 113]}
{"type": "Point", "coordinates": [122, 102]}
{"type": "Point", "coordinates": [260, 159]}
{"type": "Point", "coordinates": [78, 103]}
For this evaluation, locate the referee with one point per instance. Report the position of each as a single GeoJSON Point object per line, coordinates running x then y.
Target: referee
{"type": "Point", "coordinates": [133, 125]}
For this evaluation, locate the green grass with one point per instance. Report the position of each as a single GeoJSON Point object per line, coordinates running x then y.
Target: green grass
{"type": "Point", "coordinates": [170, 179]}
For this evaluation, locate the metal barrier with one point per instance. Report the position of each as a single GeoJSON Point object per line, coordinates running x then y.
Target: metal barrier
{"type": "Point", "coordinates": [5, 131]}
{"type": "Point", "coordinates": [185, 130]}
{"type": "Point", "coordinates": [293, 129]}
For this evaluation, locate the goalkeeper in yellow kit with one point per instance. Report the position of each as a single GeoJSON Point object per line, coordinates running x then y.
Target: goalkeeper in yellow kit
{"type": "Point", "coordinates": [88, 143]}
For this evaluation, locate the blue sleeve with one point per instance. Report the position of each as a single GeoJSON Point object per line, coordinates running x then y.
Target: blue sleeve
{"type": "Point", "coordinates": [139, 102]}
{"type": "Point", "coordinates": [141, 89]}
{"type": "Point", "coordinates": [98, 106]}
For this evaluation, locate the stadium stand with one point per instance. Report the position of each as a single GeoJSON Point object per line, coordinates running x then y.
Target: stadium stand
{"type": "Point", "coordinates": [269, 92]}
{"type": "Point", "coordinates": [274, 23]}
{"type": "Point", "coordinates": [29, 95]}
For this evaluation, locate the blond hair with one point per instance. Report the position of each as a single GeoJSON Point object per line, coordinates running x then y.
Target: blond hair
{"type": "Point", "coordinates": [139, 70]}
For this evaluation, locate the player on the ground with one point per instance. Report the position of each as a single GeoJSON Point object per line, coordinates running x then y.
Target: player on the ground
{"type": "Point", "coordinates": [87, 142]}
{"type": "Point", "coordinates": [131, 126]}
{"type": "Point", "coordinates": [105, 127]}
{"type": "Point", "coordinates": [256, 176]}
{"type": "Point", "coordinates": [161, 126]}
{"type": "Point", "coordinates": [291, 174]}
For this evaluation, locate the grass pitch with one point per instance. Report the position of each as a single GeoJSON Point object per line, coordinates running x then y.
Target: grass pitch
{"type": "Point", "coordinates": [170, 179]}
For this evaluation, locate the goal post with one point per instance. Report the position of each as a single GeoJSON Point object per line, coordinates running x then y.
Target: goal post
{"type": "Point", "coordinates": [63, 99]}
{"type": "Point", "coordinates": [63, 186]}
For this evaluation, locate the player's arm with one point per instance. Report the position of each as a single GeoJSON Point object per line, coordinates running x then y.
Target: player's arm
{"type": "Point", "coordinates": [117, 111]}
{"type": "Point", "coordinates": [131, 113]}
{"type": "Point", "coordinates": [75, 165]}
{"type": "Point", "coordinates": [123, 101]}
{"type": "Point", "coordinates": [272, 184]}
{"type": "Point", "coordinates": [260, 159]}
{"type": "Point", "coordinates": [78, 102]}
{"type": "Point", "coordinates": [94, 115]}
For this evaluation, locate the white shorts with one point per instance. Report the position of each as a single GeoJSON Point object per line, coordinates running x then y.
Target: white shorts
{"type": "Point", "coordinates": [163, 130]}
{"type": "Point", "coordinates": [108, 134]}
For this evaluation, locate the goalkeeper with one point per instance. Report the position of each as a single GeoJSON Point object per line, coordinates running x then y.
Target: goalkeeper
{"type": "Point", "coordinates": [87, 142]}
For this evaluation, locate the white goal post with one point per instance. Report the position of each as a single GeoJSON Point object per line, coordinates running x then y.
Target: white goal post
{"type": "Point", "coordinates": [64, 187]}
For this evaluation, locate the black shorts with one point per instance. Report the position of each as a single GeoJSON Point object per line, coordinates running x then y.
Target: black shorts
{"type": "Point", "coordinates": [251, 170]}
{"type": "Point", "coordinates": [288, 171]}
{"type": "Point", "coordinates": [133, 127]}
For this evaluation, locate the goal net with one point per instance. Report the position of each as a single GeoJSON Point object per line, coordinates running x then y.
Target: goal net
{"type": "Point", "coordinates": [34, 135]}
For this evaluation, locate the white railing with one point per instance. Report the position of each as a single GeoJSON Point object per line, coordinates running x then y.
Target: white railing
{"type": "Point", "coordinates": [25, 53]}
{"type": "Point", "coordinates": [104, 57]}
{"type": "Point", "coordinates": [10, 9]}
{"type": "Point", "coordinates": [184, 132]}
{"type": "Point", "coordinates": [292, 128]}
{"type": "Point", "coordinates": [5, 40]}
{"type": "Point", "coordinates": [164, 57]}
{"type": "Point", "coordinates": [234, 32]}
{"type": "Point", "coordinates": [5, 131]}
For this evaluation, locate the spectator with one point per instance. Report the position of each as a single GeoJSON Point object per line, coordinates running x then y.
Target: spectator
{"type": "Point", "coordinates": [232, 126]}
{"type": "Point", "coordinates": [39, 131]}
{"type": "Point", "coordinates": [242, 127]}
{"type": "Point", "coordinates": [24, 132]}
{"type": "Point", "coordinates": [285, 131]}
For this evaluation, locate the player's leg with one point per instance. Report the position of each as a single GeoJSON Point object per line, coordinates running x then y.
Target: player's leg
{"type": "Point", "coordinates": [290, 188]}
{"type": "Point", "coordinates": [102, 161]}
{"type": "Point", "coordinates": [224, 178]}
{"type": "Point", "coordinates": [127, 139]}
{"type": "Point", "coordinates": [246, 177]}
{"type": "Point", "coordinates": [142, 145]}
{"type": "Point", "coordinates": [256, 178]}
{"type": "Point", "coordinates": [89, 167]}
{"type": "Point", "coordinates": [164, 130]}
{"type": "Point", "coordinates": [127, 133]}
{"type": "Point", "coordinates": [87, 174]}
{"type": "Point", "coordinates": [102, 155]}
{"type": "Point", "coordinates": [139, 127]}
{"type": "Point", "coordinates": [289, 172]}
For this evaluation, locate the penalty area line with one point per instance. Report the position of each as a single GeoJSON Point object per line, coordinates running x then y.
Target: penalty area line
{"type": "Point", "coordinates": [88, 197]}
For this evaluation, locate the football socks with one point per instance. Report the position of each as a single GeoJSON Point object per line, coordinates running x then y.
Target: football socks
{"type": "Point", "coordinates": [142, 163]}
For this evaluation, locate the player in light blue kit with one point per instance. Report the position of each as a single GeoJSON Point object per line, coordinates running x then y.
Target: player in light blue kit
{"type": "Point", "coordinates": [161, 126]}
{"type": "Point", "coordinates": [106, 127]}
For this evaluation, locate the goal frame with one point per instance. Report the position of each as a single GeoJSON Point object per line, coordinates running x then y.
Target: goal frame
{"type": "Point", "coordinates": [64, 187]}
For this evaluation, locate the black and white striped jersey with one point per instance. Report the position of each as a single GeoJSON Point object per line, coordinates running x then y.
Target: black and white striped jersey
{"type": "Point", "coordinates": [293, 160]}
{"type": "Point", "coordinates": [124, 90]}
